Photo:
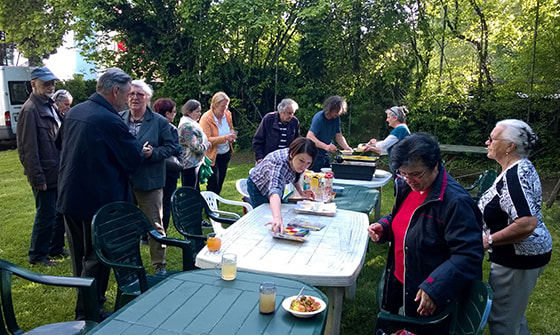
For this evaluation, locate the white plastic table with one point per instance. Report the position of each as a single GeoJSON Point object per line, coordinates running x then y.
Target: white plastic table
{"type": "Point", "coordinates": [332, 257]}
{"type": "Point", "coordinates": [378, 180]}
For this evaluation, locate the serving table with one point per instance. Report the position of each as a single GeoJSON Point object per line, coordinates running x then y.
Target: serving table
{"type": "Point", "coordinates": [200, 302]}
{"type": "Point", "coordinates": [332, 257]}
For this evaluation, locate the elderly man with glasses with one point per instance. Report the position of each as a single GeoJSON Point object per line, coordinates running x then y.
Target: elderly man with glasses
{"type": "Point", "coordinates": [277, 129]}
{"type": "Point", "coordinates": [38, 125]}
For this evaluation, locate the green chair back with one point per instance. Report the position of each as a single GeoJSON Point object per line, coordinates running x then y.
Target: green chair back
{"type": "Point", "coordinates": [189, 209]}
{"type": "Point", "coordinates": [473, 311]}
{"type": "Point", "coordinates": [8, 323]}
{"type": "Point", "coordinates": [467, 316]}
{"type": "Point", "coordinates": [483, 183]}
{"type": "Point", "coordinates": [116, 230]}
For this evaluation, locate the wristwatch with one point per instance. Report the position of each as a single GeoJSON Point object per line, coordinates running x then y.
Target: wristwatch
{"type": "Point", "coordinates": [490, 241]}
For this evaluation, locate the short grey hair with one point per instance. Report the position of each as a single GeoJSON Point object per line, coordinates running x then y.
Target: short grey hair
{"type": "Point", "coordinates": [285, 103]}
{"type": "Point", "coordinates": [145, 87]}
{"type": "Point", "coordinates": [399, 112]}
{"type": "Point", "coordinates": [61, 95]}
{"type": "Point", "coordinates": [113, 77]}
{"type": "Point", "coordinates": [519, 133]}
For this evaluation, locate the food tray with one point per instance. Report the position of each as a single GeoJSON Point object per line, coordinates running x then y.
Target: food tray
{"type": "Point", "coordinates": [358, 158]}
{"type": "Point", "coordinates": [315, 208]}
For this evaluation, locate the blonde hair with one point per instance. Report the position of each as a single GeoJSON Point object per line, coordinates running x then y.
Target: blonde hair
{"type": "Point", "coordinates": [217, 98]}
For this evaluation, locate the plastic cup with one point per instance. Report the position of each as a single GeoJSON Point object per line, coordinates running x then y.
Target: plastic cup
{"type": "Point", "coordinates": [267, 298]}
{"type": "Point", "coordinates": [214, 243]}
{"type": "Point", "coordinates": [229, 266]}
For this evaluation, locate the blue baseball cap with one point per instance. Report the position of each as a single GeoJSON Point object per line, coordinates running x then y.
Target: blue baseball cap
{"type": "Point", "coordinates": [43, 74]}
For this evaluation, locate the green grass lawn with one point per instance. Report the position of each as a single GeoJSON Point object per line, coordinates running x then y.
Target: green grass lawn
{"type": "Point", "coordinates": [36, 304]}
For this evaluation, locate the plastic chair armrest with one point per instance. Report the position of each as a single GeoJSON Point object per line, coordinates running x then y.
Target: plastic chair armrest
{"type": "Point", "coordinates": [233, 215]}
{"type": "Point", "coordinates": [185, 245]}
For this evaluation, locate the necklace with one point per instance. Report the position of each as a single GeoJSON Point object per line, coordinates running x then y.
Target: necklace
{"type": "Point", "coordinates": [134, 119]}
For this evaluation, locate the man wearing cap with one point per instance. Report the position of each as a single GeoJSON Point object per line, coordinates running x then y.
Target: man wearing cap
{"type": "Point", "coordinates": [37, 127]}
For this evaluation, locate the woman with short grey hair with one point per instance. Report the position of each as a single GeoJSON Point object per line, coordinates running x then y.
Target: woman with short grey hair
{"type": "Point", "coordinates": [518, 243]}
{"type": "Point", "coordinates": [396, 118]}
{"type": "Point", "coordinates": [62, 100]}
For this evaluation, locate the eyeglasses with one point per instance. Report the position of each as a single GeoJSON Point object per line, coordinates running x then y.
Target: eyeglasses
{"type": "Point", "coordinates": [135, 94]}
{"type": "Point", "coordinates": [490, 139]}
{"type": "Point", "coordinates": [412, 175]}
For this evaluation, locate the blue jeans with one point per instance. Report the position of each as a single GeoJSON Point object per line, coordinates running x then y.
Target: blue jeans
{"type": "Point", "coordinates": [255, 197]}
{"type": "Point", "coordinates": [47, 236]}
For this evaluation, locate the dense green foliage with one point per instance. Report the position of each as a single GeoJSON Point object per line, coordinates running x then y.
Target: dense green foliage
{"type": "Point", "coordinates": [458, 65]}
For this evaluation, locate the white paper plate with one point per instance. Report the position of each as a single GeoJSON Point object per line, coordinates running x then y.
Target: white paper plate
{"type": "Point", "coordinates": [288, 302]}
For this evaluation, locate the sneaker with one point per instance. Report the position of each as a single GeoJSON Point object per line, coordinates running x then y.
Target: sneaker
{"type": "Point", "coordinates": [63, 254]}
{"type": "Point", "coordinates": [160, 270]}
{"type": "Point", "coordinates": [206, 224]}
{"type": "Point", "coordinates": [45, 262]}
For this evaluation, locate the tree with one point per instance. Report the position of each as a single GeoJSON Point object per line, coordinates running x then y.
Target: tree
{"type": "Point", "coordinates": [36, 27]}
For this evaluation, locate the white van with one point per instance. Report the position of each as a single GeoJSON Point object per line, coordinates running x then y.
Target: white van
{"type": "Point", "coordinates": [15, 88]}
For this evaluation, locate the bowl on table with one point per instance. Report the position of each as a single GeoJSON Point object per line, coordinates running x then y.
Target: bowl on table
{"type": "Point", "coordinates": [288, 302]}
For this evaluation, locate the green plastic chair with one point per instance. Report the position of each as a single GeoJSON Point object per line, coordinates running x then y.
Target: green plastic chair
{"type": "Point", "coordinates": [483, 183]}
{"type": "Point", "coordinates": [116, 229]}
{"type": "Point", "coordinates": [187, 209]}
{"type": "Point", "coordinates": [8, 323]}
{"type": "Point", "coordinates": [468, 315]}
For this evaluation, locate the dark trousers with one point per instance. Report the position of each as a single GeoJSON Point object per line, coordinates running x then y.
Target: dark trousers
{"type": "Point", "coordinates": [255, 196]}
{"type": "Point", "coordinates": [216, 181]}
{"type": "Point", "coordinates": [170, 186]}
{"type": "Point", "coordinates": [320, 162]}
{"type": "Point", "coordinates": [47, 236]}
{"type": "Point", "coordinates": [189, 177]}
{"type": "Point", "coordinates": [84, 259]}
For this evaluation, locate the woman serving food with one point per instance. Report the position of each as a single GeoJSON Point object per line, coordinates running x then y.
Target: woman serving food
{"type": "Point", "coordinates": [268, 179]}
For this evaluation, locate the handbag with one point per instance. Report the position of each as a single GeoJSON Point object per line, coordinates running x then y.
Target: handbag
{"type": "Point", "coordinates": [172, 163]}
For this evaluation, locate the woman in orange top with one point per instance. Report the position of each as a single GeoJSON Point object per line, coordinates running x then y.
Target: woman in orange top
{"type": "Point", "coordinates": [218, 127]}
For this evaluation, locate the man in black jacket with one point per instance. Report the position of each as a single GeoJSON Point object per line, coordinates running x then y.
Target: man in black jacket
{"type": "Point", "coordinates": [98, 155]}
{"type": "Point", "coordinates": [37, 128]}
{"type": "Point", "coordinates": [277, 130]}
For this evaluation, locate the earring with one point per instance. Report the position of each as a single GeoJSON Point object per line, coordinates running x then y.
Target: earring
{"type": "Point", "coordinates": [507, 153]}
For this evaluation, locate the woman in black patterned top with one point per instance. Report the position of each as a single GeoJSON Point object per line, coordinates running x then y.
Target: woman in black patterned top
{"type": "Point", "coordinates": [515, 236]}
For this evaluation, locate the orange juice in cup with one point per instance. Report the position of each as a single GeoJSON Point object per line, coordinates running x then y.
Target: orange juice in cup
{"type": "Point", "coordinates": [213, 242]}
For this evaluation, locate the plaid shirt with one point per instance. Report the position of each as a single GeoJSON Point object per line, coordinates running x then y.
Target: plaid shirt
{"type": "Point", "coordinates": [273, 173]}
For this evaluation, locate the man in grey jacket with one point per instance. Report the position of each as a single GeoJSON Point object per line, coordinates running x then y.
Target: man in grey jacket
{"type": "Point", "coordinates": [37, 128]}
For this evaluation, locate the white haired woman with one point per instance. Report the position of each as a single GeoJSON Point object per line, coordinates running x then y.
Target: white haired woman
{"type": "Point", "coordinates": [515, 235]}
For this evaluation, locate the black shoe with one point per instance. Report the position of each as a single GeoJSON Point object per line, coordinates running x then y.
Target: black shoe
{"type": "Point", "coordinates": [45, 262]}
{"type": "Point", "coordinates": [104, 314]}
{"type": "Point", "coordinates": [63, 254]}
{"type": "Point", "coordinates": [206, 224]}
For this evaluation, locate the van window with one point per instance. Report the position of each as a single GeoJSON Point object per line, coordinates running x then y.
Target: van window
{"type": "Point", "coordinates": [19, 91]}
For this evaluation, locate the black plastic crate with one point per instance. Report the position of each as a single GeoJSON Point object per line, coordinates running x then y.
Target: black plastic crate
{"type": "Point", "coordinates": [363, 171]}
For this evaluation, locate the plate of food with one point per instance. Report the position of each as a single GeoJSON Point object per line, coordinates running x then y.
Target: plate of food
{"type": "Point", "coordinates": [304, 307]}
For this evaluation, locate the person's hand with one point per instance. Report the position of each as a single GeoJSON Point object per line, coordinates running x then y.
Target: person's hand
{"type": "Point", "coordinates": [331, 148]}
{"type": "Point", "coordinates": [372, 142]}
{"type": "Point", "coordinates": [259, 160]}
{"type": "Point", "coordinates": [309, 194]}
{"type": "Point", "coordinates": [231, 137]}
{"type": "Point", "coordinates": [427, 306]}
{"type": "Point", "coordinates": [375, 231]}
{"type": "Point", "coordinates": [148, 151]}
{"type": "Point", "coordinates": [276, 226]}
{"type": "Point", "coordinates": [485, 242]}
{"type": "Point", "coordinates": [42, 187]}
